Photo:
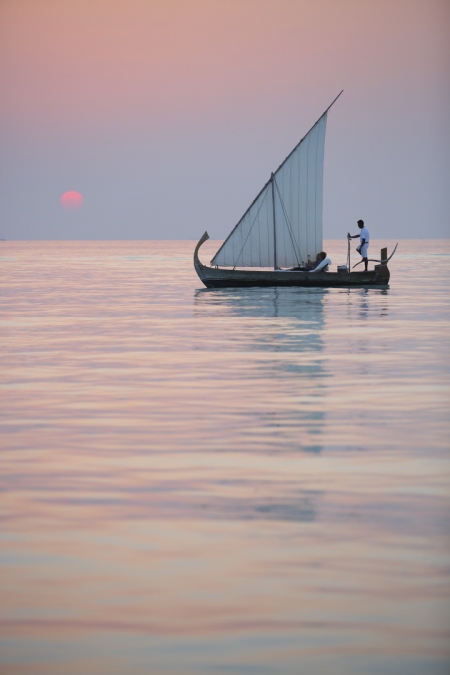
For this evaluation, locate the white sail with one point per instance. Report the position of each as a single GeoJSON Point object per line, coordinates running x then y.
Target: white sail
{"type": "Point", "coordinates": [290, 233]}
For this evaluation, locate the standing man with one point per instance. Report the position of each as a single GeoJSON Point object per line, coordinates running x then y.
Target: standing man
{"type": "Point", "coordinates": [364, 239]}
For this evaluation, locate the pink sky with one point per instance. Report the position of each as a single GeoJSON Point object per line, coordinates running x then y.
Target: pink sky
{"type": "Point", "coordinates": [256, 73]}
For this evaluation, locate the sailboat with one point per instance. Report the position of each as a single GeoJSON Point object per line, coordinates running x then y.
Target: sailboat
{"type": "Point", "coordinates": [281, 231]}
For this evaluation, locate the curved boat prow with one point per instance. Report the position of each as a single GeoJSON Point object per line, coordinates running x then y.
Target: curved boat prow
{"type": "Point", "coordinates": [385, 262]}
{"type": "Point", "coordinates": [197, 264]}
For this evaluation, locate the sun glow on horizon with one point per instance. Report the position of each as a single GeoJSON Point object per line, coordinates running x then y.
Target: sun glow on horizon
{"type": "Point", "coordinates": [71, 201]}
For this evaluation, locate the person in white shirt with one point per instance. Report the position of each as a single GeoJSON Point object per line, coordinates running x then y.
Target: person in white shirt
{"type": "Point", "coordinates": [364, 239]}
{"type": "Point", "coordinates": [322, 266]}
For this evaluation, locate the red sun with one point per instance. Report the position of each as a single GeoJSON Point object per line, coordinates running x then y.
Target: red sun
{"type": "Point", "coordinates": [72, 201]}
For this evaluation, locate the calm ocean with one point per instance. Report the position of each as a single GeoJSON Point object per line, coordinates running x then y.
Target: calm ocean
{"type": "Point", "coordinates": [212, 482]}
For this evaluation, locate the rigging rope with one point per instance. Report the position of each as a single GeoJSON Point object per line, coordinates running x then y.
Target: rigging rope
{"type": "Point", "coordinates": [249, 232]}
{"type": "Point", "coordinates": [291, 234]}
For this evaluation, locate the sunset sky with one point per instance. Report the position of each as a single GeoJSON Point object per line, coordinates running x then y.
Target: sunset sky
{"type": "Point", "coordinates": [169, 115]}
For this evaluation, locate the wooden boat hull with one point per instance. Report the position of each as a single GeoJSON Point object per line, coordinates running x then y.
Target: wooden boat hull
{"type": "Point", "coordinates": [215, 277]}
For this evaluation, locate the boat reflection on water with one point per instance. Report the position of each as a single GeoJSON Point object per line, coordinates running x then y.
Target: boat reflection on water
{"type": "Point", "coordinates": [281, 380]}
{"type": "Point", "coordinates": [269, 348]}
{"type": "Point", "coordinates": [304, 306]}
{"type": "Point", "coordinates": [367, 301]}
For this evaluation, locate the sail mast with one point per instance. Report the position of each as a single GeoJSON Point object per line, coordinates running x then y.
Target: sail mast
{"type": "Point", "coordinates": [274, 226]}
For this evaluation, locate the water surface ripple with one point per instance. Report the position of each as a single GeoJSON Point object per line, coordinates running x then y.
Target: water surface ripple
{"type": "Point", "coordinates": [246, 481]}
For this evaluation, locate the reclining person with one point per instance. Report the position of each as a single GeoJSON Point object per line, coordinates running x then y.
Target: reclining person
{"type": "Point", "coordinates": [310, 265]}
{"type": "Point", "coordinates": [322, 266]}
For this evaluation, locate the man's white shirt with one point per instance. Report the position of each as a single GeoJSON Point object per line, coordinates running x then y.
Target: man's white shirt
{"type": "Point", "coordinates": [364, 234]}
